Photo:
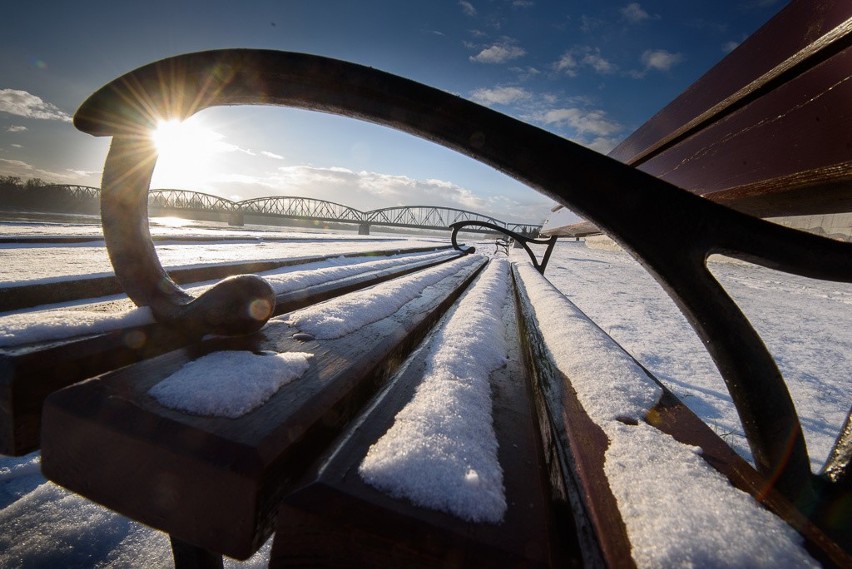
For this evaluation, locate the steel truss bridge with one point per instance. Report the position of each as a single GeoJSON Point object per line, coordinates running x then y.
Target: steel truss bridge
{"type": "Point", "coordinates": [309, 209]}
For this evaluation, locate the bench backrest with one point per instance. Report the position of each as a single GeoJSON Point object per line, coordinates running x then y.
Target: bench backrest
{"type": "Point", "coordinates": [766, 131]}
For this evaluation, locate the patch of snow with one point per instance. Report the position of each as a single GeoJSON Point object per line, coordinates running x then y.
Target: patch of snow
{"type": "Point", "coordinates": [229, 383]}
{"type": "Point", "coordinates": [678, 510]}
{"type": "Point", "coordinates": [29, 327]}
{"type": "Point", "coordinates": [441, 452]}
{"type": "Point", "coordinates": [299, 277]}
{"type": "Point", "coordinates": [609, 382]}
{"type": "Point", "coordinates": [48, 263]}
{"type": "Point", "coordinates": [804, 323]}
{"type": "Point", "coordinates": [44, 525]}
{"type": "Point", "coordinates": [43, 324]}
{"type": "Point", "coordinates": [52, 527]}
{"type": "Point", "coordinates": [340, 316]}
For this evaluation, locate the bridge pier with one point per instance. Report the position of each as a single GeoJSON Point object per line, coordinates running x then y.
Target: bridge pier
{"type": "Point", "coordinates": [237, 218]}
{"type": "Point", "coordinates": [364, 229]}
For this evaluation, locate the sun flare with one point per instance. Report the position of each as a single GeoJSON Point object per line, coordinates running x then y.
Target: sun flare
{"type": "Point", "coordinates": [186, 150]}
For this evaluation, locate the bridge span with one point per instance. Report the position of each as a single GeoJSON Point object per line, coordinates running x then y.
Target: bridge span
{"type": "Point", "coordinates": [309, 209]}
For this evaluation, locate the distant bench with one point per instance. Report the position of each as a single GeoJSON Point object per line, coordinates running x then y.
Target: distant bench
{"type": "Point", "coordinates": [222, 485]}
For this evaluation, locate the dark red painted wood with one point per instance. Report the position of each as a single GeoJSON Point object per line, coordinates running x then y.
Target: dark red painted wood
{"type": "Point", "coordinates": [580, 445]}
{"type": "Point", "coordinates": [775, 153]}
{"type": "Point", "coordinates": [336, 519]}
{"type": "Point", "coordinates": [575, 447]}
{"type": "Point", "coordinates": [30, 373]}
{"type": "Point", "coordinates": [788, 38]}
{"type": "Point", "coordinates": [216, 482]}
{"type": "Point", "coordinates": [766, 130]}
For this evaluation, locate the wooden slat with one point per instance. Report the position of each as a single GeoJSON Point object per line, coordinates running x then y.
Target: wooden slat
{"type": "Point", "coordinates": [671, 416]}
{"type": "Point", "coordinates": [336, 519]}
{"type": "Point", "coordinates": [30, 373]}
{"type": "Point", "coordinates": [766, 130]}
{"type": "Point", "coordinates": [788, 142]}
{"type": "Point", "coordinates": [579, 445]}
{"type": "Point", "coordinates": [575, 448]}
{"type": "Point", "coordinates": [36, 294]}
{"type": "Point", "coordinates": [216, 482]}
{"type": "Point", "coordinates": [798, 32]}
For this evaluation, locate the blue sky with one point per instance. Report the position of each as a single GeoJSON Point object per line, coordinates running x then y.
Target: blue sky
{"type": "Point", "coordinates": [589, 70]}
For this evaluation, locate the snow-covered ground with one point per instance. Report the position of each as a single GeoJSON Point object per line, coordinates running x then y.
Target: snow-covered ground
{"type": "Point", "coordinates": [42, 262]}
{"type": "Point", "coordinates": [804, 323]}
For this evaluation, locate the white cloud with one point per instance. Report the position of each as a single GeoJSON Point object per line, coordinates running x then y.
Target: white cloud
{"type": "Point", "coordinates": [597, 62]}
{"type": "Point", "coordinates": [589, 24]}
{"type": "Point", "coordinates": [499, 53]}
{"type": "Point", "coordinates": [271, 155]}
{"type": "Point", "coordinates": [584, 56]}
{"type": "Point", "coordinates": [500, 95]}
{"type": "Point", "coordinates": [16, 128]}
{"type": "Point", "coordinates": [634, 13]}
{"type": "Point", "coordinates": [17, 165]}
{"type": "Point", "coordinates": [660, 59]}
{"type": "Point", "coordinates": [525, 73]}
{"type": "Point", "coordinates": [84, 173]}
{"type": "Point", "coordinates": [467, 8]}
{"type": "Point", "coordinates": [363, 190]}
{"type": "Point", "coordinates": [567, 64]}
{"type": "Point", "coordinates": [16, 146]}
{"type": "Point", "coordinates": [603, 144]}
{"type": "Point", "coordinates": [584, 122]}
{"type": "Point", "coordinates": [25, 170]}
{"type": "Point", "coordinates": [730, 46]}
{"type": "Point", "coordinates": [25, 104]}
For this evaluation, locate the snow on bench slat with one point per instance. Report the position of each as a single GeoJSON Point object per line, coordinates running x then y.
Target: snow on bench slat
{"type": "Point", "coordinates": [441, 452]}
{"type": "Point", "coordinates": [679, 511]}
{"type": "Point", "coordinates": [33, 326]}
{"type": "Point", "coordinates": [46, 325]}
{"type": "Point", "coordinates": [340, 316]}
{"type": "Point", "coordinates": [299, 277]}
{"type": "Point", "coordinates": [229, 383]}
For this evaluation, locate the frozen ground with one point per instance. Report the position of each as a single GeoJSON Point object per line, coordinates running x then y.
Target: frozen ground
{"type": "Point", "coordinates": [39, 262]}
{"type": "Point", "coordinates": [805, 325]}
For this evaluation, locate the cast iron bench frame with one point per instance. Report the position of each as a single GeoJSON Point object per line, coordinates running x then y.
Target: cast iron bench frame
{"type": "Point", "coordinates": [616, 197]}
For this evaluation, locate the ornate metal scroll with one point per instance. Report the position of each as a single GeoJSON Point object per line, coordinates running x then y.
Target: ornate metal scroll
{"type": "Point", "coordinates": [670, 231]}
{"type": "Point", "coordinates": [522, 239]}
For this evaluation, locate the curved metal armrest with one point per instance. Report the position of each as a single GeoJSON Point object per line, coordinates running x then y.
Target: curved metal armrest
{"type": "Point", "coordinates": [621, 200]}
{"type": "Point", "coordinates": [522, 239]}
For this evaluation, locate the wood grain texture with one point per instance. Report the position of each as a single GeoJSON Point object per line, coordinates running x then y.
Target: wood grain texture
{"type": "Point", "coordinates": [575, 447]}
{"type": "Point", "coordinates": [29, 373]}
{"type": "Point", "coordinates": [578, 452]}
{"type": "Point", "coordinates": [766, 130]}
{"type": "Point", "coordinates": [792, 139]}
{"type": "Point", "coordinates": [216, 482]}
{"type": "Point", "coordinates": [337, 520]}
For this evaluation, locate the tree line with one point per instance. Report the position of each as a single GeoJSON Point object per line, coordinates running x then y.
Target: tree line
{"type": "Point", "coordinates": [17, 194]}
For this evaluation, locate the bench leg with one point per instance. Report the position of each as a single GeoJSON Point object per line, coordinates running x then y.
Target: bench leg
{"type": "Point", "coordinates": [188, 556]}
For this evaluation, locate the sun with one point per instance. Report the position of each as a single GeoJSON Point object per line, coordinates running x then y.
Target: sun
{"type": "Point", "coordinates": [186, 151]}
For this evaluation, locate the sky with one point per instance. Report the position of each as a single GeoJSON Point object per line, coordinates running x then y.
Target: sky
{"type": "Point", "coordinates": [591, 71]}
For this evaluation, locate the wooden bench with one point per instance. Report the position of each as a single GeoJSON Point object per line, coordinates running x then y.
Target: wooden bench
{"type": "Point", "coordinates": [221, 485]}
{"type": "Point", "coordinates": [33, 370]}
